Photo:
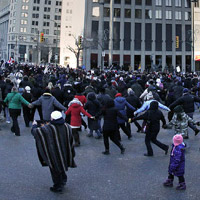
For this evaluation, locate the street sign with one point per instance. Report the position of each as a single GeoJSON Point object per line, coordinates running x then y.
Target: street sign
{"type": "Point", "coordinates": [103, 53]}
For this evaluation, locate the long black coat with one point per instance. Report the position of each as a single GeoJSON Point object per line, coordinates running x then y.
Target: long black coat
{"type": "Point", "coordinates": [187, 101]}
{"type": "Point", "coordinates": [135, 102]}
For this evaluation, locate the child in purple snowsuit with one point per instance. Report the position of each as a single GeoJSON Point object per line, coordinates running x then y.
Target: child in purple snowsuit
{"type": "Point", "coordinates": [177, 163]}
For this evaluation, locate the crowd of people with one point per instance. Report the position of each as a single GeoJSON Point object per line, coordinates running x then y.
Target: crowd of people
{"type": "Point", "coordinates": [110, 99]}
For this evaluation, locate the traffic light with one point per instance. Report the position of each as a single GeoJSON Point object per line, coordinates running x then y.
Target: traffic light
{"type": "Point", "coordinates": [177, 42]}
{"type": "Point", "coordinates": [41, 37]}
{"type": "Point", "coordinates": [80, 40]}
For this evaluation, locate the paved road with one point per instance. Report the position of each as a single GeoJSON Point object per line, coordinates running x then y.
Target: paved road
{"type": "Point", "coordinates": [115, 177]}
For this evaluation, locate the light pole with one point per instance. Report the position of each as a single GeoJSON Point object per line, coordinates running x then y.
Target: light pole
{"type": "Point", "coordinates": [56, 51]}
{"type": "Point", "coordinates": [193, 58]}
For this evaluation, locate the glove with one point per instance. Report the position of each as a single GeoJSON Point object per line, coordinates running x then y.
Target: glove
{"type": "Point", "coordinates": [164, 126]}
{"type": "Point", "coordinates": [129, 120]}
{"type": "Point", "coordinates": [198, 123]}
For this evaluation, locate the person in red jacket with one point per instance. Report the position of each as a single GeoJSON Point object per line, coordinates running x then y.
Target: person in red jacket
{"type": "Point", "coordinates": [83, 100]}
{"type": "Point", "coordinates": [75, 108]}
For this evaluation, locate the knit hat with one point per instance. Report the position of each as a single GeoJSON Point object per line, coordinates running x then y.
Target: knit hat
{"type": "Point", "coordinates": [177, 139]}
{"type": "Point", "coordinates": [121, 78]}
{"type": "Point", "coordinates": [149, 96]}
{"type": "Point", "coordinates": [56, 115]}
{"type": "Point", "coordinates": [118, 95]}
{"type": "Point", "coordinates": [130, 91]}
{"type": "Point", "coordinates": [28, 89]}
{"type": "Point", "coordinates": [185, 90]}
{"type": "Point", "coordinates": [178, 109]}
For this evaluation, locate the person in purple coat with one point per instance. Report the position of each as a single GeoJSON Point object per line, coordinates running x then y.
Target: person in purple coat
{"type": "Point", "coordinates": [177, 163]}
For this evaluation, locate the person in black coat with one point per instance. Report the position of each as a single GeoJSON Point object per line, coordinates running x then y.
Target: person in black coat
{"type": "Point", "coordinates": [153, 117]}
{"type": "Point", "coordinates": [94, 108]}
{"type": "Point", "coordinates": [135, 102]}
{"type": "Point", "coordinates": [110, 126]}
{"type": "Point", "coordinates": [57, 93]}
{"type": "Point", "coordinates": [187, 101]}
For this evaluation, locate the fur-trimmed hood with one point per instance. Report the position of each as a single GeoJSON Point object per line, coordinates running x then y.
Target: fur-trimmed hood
{"type": "Point", "coordinates": [75, 100]}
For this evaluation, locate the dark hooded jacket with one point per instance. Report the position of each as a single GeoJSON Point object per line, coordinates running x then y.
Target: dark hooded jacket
{"type": "Point", "coordinates": [94, 108]}
{"type": "Point", "coordinates": [153, 116]}
{"type": "Point", "coordinates": [121, 104]}
{"type": "Point", "coordinates": [110, 114]}
{"type": "Point", "coordinates": [54, 143]}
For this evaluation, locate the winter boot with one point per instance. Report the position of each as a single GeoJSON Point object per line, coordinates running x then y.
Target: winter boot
{"type": "Point", "coordinates": [122, 149]}
{"type": "Point", "coordinates": [181, 186]}
{"type": "Point", "coordinates": [168, 183]}
{"type": "Point", "coordinates": [106, 152]}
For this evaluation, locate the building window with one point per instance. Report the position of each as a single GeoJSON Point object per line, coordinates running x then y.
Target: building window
{"type": "Point", "coordinates": [128, 2]}
{"type": "Point", "coordinates": [138, 2]}
{"type": "Point", "coordinates": [24, 7]}
{"type": "Point", "coordinates": [148, 14]}
{"type": "Point", "coordinates": [178, 15]}
{"type": "Point", "coordinates": [188, 3]}
{"type": "Point", "coordinates": [37, 1]}
{"type": "Point", "coordinates": [158, 14]}
{"type": "Point", "coordinates": [57, 17]}
{"type": "Point", "coordinates": [148, 2]}
{"type": "Point", "coordinates": [25, 1]}
{"type": "Point", "coordinates": [58, 3]}
{"type": "Point", "coordinates": [117, 1]}
{"type": "Point", "coordinates": [45, 23]}
{"type": "Point", "coordinates": [23, 30]}
{"type": "Point", "coordinates": [106, 12]}
{"type": "Point", "coordinates": [35, 15]}
{"type": "Point", "coordinates": [107, 1]}
{"type": "Point", "coordinates": [187, 16]}
{"type": "Point", "coordinates": [23, 21]}
{"type": "Point", "coordinates": [158, 2]}
{"type": "Point", "coordinates": [36, 8]}
{"type": "Point", "coordinates": [24, 15]}
{"type": "Point", "coordinates": [138, 13]}
{"type": "Point", "coordinates": [46, 16]}
{"type": "Point", "coordinates": [95, 12]}
{"type": "Point", "coordinates": [46, 9]}
{"type": "Point", "coordinates": [127, 13]}
{"type": "Point", "coordinates": [117, 12]}
{"type": "Point", "coordinates": [47, 2]}
{"type": "Point", "coordinates": [168, 14]}
{"type": "Point", "coordinates": [168, 3]}
{"type": "Point", "coordinates": [35, 23]}
{"type": "Point", "coordinates": [178, 3]}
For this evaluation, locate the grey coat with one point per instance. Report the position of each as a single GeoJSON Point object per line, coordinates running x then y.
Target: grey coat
{"type": "Point", "coordinates": [49, 104]}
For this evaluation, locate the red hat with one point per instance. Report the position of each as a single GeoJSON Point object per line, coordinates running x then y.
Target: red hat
{"type": "Point", "coordinates": [118, 95]}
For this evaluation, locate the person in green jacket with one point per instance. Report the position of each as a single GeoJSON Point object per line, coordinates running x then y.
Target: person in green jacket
{"type": "Point", "coordinates": [14, 101]}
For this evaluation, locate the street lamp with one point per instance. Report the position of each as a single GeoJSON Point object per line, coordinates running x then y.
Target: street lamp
{"type": "Point", "coordinates": [193, 58]}
{"type": "Point", "coordinates": [56, 51]}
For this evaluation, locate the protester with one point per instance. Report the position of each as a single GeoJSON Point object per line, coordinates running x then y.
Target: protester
{"type": "Point", "coordinates": [58, 156]}
{"type": "Point", "coordinates": [14, 101]}
{"type": "Point", "coordinates": [153, 117]}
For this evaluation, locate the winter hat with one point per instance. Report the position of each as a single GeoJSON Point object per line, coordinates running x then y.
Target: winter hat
{"type": "Point", "coordinates": [178, 109]}
{"type": "Point", "coordinates": [28, 89]}
{"type": "Point", "coordinates": [56, 115]}
{"type": "Point", "coordinates": [149, 96]}
{"type": "Point", "coordinates": [121, 78]}
{"type": "Point", "coordinates": [185, 90]}
{"type": "Point", "coordinates": [130, 91]}
{"type": "Point", "coordinates": [177, 139]}
{"type": "Point", "coordinates": [118, 95]}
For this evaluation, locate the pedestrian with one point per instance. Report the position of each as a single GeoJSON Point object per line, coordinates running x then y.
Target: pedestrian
{"type": "Point", "coordinates": [121, 104]}
{"type": "Point", "coordinates": [110, 126]}
{"type": "Point", "coordinates": [54, 143]}
{"type": "Point", "coordinates": [153, 117]}
{"type": "Point", "coordinates": [177, 163]}
{"type": "Point", "coordinates": [49, 103]}
{"type": "Point", "coordinates": [75, 108]}
{"type": "Point", "coordinates": [188, 102]}
{"type": "Point", "coordinates": [181, 121]}
{"type": "Point", "coordinates": [93, 107]}
{"type": "Point", "coordinates": [14, 101]}
{"type": "Point", "coordinates": [26, 110]}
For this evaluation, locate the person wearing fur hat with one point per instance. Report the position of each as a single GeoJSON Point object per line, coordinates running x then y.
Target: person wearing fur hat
{"type": "Point", "coordinates": [180, 121]}
{"type": "Point", "coordinates": [187, 102]}
{"type": "Point", "coordinates": [58, 156]}
{"type": "Point", "coordinates": [75, 108]}
{"type": "Point", "coordinates": [177, 163]}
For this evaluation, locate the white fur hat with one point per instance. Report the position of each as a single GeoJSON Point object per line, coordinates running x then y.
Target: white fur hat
{"type": "Point", "coordinates": [56, 115]}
